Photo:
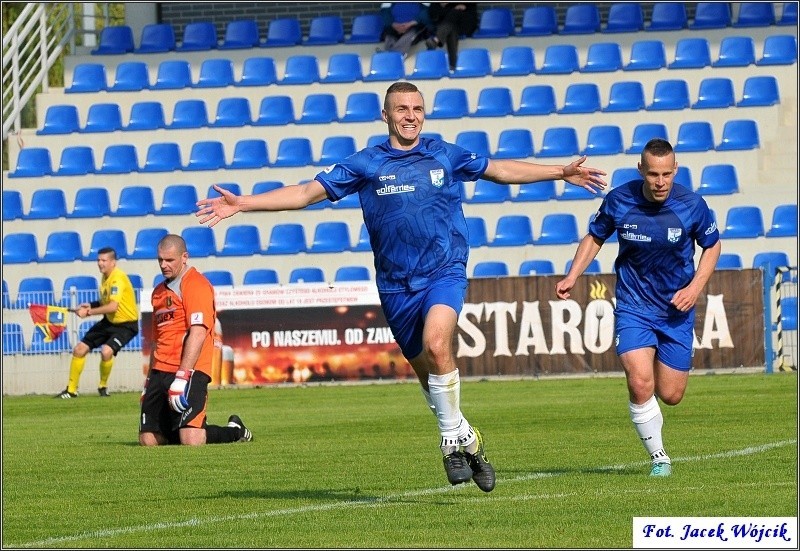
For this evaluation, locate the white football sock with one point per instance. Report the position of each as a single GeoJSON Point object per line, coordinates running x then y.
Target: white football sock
{"type": "Point", "coordinates": [428, 399]}
{"type": "Point", "coordinates": [445, 393]}
{"type": "Point", "coordinates": [647, 420]}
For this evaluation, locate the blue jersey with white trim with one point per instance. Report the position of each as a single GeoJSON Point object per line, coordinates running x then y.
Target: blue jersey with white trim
{"type": "Point", "coordinates": [656, 243]}
{"type": "Point", "coordinates": [412, 206]}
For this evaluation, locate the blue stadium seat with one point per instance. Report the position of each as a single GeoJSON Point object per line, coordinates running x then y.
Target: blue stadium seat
{"type": "Point", "coordinates": [536, 191]}
{"type": "Point", "coordinates": [362, 107]}
{"type": "Point", "coordinates": [86, 290]}
{"type": "Point", "coordinates": [232, 112]}
{"type": "Point", "coordinates": [512, 230]}
{"type": "Point", "coordinates": [113, 238]}
{"type": "Point", "coordinates": [559, 59]}
{"type": "Point", "coordinates": [735, 51]}
{"type": "Point", "coordinates": [76, 160]}
{"type": "Point", "coordinates": [755, 14]}
{"type": "Point", "coordinates": [581, 97]}
{"type": "Point", "coordinates": [669, 95]}
{"type": "Point", "coordinates": [34, 290]}
{"type": "Point", "coordinates": [739, 134]}
{"type": "Point", "coordinates": [250, 153]}
{"type": "Point", "coordinates": [743, 222]}
{"type": "Point", "coordinates": [667, 16]}
{"type": "Point", "coordinates": [336, 149]}
{"type": "Point", "coordinates": [310, 274]}
{"type": "Point", "coordinates": [284, 31]}
{"type": "Point", "coordinates": [603, 57]}
{"type": "Point", "coordinates": [711, 15]}
{"type": "Point", "coordinates": [13, 339]}
{"type": "Point", "coordinates": [319, 108]}
{"type": "Point", "coordinates": [784, 221]}
{"type": "Point", "coordinates": [558, 228]}
{"type": "Point", "coordinates": [683, 176]}
{"type": "Point", "coordinates": [487, 191]}
{"type": "Point", "coordinates": [476, 231]}
{"type": "Point", "coordinates": [363, 243]}
{"type": "Point", "coordinates": [625, 96]}
{"type": "Point", "coordinates": [779, 49]}
{"type": "Point", "coordinates": [536, 267]}
{"type": "Point", "coordinates": [156, 38]}
{"type": "Point", "coordinates": [265, 186]}
{"type": "Point", "coordinates": [240, 34]}
{"type": "Point", "coordinates": [495, 23]}
{"type": "Point", "coordinates": [60, 119]}
{"type": "Point", "coordinates": [760, 90]}
{"type": "Point", "coordinates": [47, 204]}
{"type": "Point", "coordinates": [490, 268]}
{"type": "Point", "coordinates": [516, 61]}
{"type": "Point", "coordinates": [131, 76]}
{"type": "Point", "coordinates": [189, 113]}
{"type": "Point", "coordinates": [63, 246]}
{"type": "Point", "coordinates": [135, 201]}
{"type": "Point", "coordinates": [145, 246]}
{"type": "Point", "coordinates": [430, 65]}
{"type": "Point", "coordinates": [206, 155]}
{"type": "Point", "coordinates": [12, 205]}
{"type": "Point", "coordinates": [178, 199]}
{"type": "Point", "coordinates": [287, 238]}
{"type": "Point", "coordinates": [103, 117]}
{"type": "Point", "coordinates": [173, 74]}
{"type": "Point", "coordinates": [325, 29]}
{"type": "Point", "coordinates": [241, 240]}
{"type": "Point", "coordinates": [559, 141]}
{"type": "Point", "coordinates": [91, 202]}
{"type": "Point", "coordinates": [200, 241]}
{"type": "Point", "coordinates": [233, 187]}
{"type": "Point", "coordinates": [592, 268]}
{"type": "Point", "coordinates": [789, 313]}
{"type": "Point", "coordinates": [119, 159]}
{"type": "Point", "coordinates": [39, 346]}
{"type": "Point", "coordinates": [539, 21]}
{"type": "Point", "coordinates": [647, 55]}
{"type": "Point", "coordinates": [301, 69]}
{"type": "Point", "coordinates": [788, 14]}
{"type": "Point", "coordinates": [718, 179]}
{"type": "Point", "coordinates": [475, 141]}
{"type": "Point", "coordinates": [352, 273]}
{"type": "Point", "coordinates": [275, 111]}
{"type": "Point", "coordinates": [115, 39]}
{"type": "Point", "coordinates": [88, 77]}
{"type": "Point", "coordinates": [294, 151]}
{"type": "Point", "coordinates": [769, 261]}
{"type": "Point", "coordinates": [494, 101]}
{"type": "Point", "coordinates": [472, 62]}
{"type": "Point", "coordinates": [729, 261]}
{"type": "Point", "coordinates": [514, 143]}
{"type": "Point", "coordinates": [603, 140]}
{"type": "Point", "coordinates": [449, 103]}
{"type": "Point", "coordinates": [146, 115]}
{"type": "Point", "coordinates": [695, 136]}
{"type": "Point", "coordinates": [219, 278]}
{"type": "Point", "coordinates": [537, 99]}
{"type": "Point", "coordinates": [198, 35]}
{"type": "Point", "coordinates": [346, 67]}
{"type": "Point", "coordinates": [258, 71]}
{"type": "Point", "coordinates": [643, 133]}
{"type": "Point", "coordinates": [260, 276]}
{"type": "Point", "coordinates": [366, 29]}
{"type": "Point", "coordinates": [215, 73]}
{"type": "Point", "coordinates": [20, 248]}
{"type": "Point", "coordinates": [385, 66]}
{"type": "Point", "coordinates": [624, 17]}
{"type": "Point", "coordinates": [582, 18]}
{"type": "Point", "coordinates": [715, 93]}
{"type": "Point", "coordinates": [163, 157]}
{"type": "Point", "coordinates": [330, 237]}
{"type": "Point", "coordinates": [691, 53]}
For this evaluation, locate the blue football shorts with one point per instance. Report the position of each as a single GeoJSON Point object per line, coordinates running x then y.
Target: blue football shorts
{"type": "Point", "coordinates": [671, 337]}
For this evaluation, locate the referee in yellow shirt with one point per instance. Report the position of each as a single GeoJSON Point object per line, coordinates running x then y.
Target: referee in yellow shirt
{"type": "Point", "coordinates": [120, 323]}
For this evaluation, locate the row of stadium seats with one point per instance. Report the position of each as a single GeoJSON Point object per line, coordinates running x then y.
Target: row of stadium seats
{"type": "Point", "coordinates": [645, 55]}
{"type": "Point", "coordinates": [14, 340]}
{"type": "Point", "coordinates": [497, 22]}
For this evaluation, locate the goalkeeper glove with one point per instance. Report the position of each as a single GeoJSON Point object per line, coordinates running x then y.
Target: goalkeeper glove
{"type": "Point", "coordinates": [178, 390]}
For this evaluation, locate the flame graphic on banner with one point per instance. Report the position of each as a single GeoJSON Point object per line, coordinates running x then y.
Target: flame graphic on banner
{"type": "Point", "coordinates": [598, 290]}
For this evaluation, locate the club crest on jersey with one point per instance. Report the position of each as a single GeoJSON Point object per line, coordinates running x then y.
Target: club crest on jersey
{"type": "Point", "coordinates": [437, 177]}
{"type": "Point", "coordinates": [673, 234]}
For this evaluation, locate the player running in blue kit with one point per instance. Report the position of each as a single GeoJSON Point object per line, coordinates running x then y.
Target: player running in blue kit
{"type": "Point", "coordinates": [657, 286]}
{"type": "Point", "coordinates": [410, 194]}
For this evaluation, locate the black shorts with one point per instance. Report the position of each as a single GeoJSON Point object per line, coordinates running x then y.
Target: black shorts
{"type": "Point", "coordinates": [157, 416]}
{"type": "Point", "coordinates": [114, 335]}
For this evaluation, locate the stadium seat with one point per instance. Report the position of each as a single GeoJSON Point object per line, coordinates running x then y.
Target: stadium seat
{"type": "Point", "coordinates": [13, 339]}
{"type": "Point", "coordinates": [667, 16]}
{"type": "Point", "coordinates": [119, 159]}
{"type": "Point", "coordinates": [103, 117]}
{"type": "Point", "coordinates": [275, 111]}
{"type": "Point", "coordinates": [472, 62]}
{"type": "Point", "coordinates": [115, 39]}
{"type": "Point", "coordinates": [711, 15]}
{"type": "Point", "coordinates": [694, 136]}
{"type": "Point", "coordinates": [476, 231]}
{"type": "Point", "coordinates": [735, 51]}
{"type": "Point", "coordinates": [135, 201]}
{"type": "Point", "coordinates": [536, 191]}
{"type": "Point", "coordinates": [63, 246]}
{"type": "Point", "coordinates": [581, 97]}
{"type": "Point", "coordinates": [592, 268]}
{"type": "Point", "coordinates": [581, 18]}
{"type": "Point", "coordinates": [363, 243]}
{"type": "Point", "coordinates": [770, 261]}
{"type": "Point", "coordinates": [352, 273]}
{"type": "Point", "coordinates": [60, 119]}
{"type": "Point", "coordinates": [260, 276]}
{"type": "Point", "coordinates": [198, 35]}
{"type": "Point", "coordinates": [336, 149]}
{"type": "Point", "coordinates": [76, 160]}
{"type": "Point", "coordinates": [88, 77]}
{"type": "Point", "coordinates": [219, 278]}
{"type": "Point", "coordinates": [558, 228]}
{"type": "Point", "coordinates": [487, 191]}
{"type": "Point", "coordinates": [146, 115]}
{"type": "Point", "coordinates": [495, 23]}
{"type": "Point", "coordinates": [113, 238]}
{"type": "Point", "coordinates": [310, 274]}
{"type": "Point", "coordinates": [760, 90]}
{"type": "Point", "coordinates": [294, 151]}
{"type": "Point", "coordinates": [669, 95]}
{"type": "Point", "coordinates": [475, 141]}
{"type": "Point", "coordinates": [215, 73]}
{"type": "Point", "coordinates": [232, 112]}
{"type": "Point", "coordinates": [300, 69]}
{"type": "Point", "coordinates": [494, 101]}
{"type": "Point", "coordinates": [743, 222]}
{"type": "Point", "coordinates": [366, 29]}
{"type": "Point", "coordinates": [559, 141]}
{"type": "Point", "coordinates": [604, 140]}
{"type": "Point", "coordinates": [284, 31]}
{"type": "Point", "coordinates": [240, 34]}
{"type": "Point", "coordinates": [206, 155]}
{"type": "Point", "coordinates": [20, 248]}
{"type": "Point", "coordinates": [86, 290]}
{"type": "Point", "coordinates": [603, 57]}
{"type": "Point", "coordinates": [512, 230]}
{"type": "Point", "coordinates": [362, 107]}
{"type": "Point", "coordinates": [643, 133]}
{"type": "Point", "coordinates": [346, 67]}
{"type": "Point", "coordinates": [449, 103]}
{"type": "Point", "coordinates": [715, 93]}
{"type": "Point", "coordinates": [784, 221]}
{"type": "Point", "coordinates": [536, 267]}
{"type": "Point", "coordinates": [647, 55]}
{"type": "Point", "coordinates": [189, 113]}
{"type": "Point", "coordinates": [233, 187]}
{"type": "Point", "coordinates": [385, 66]}
{"type": "Point", "coordinates": [683, 176]}
{"type": "Point", "coordinates": [691, 53]}
{"type": "Point", "coordinates": [258, 71]}
{"type": "Point", "coordinates": [156, 38]}
{"type": "Point", "coordinates": [559, 59]}
{"type": "Point", "coordinates": [788, 14]}
{"type": "Point", "coordinates": [789, 313]}
{"type": "Point", "coordinates": [430, 65]}
{"type": "Point", "coordinates": [625, 96]}
{"type": "Point", "coordinates": [490, 268]}
{"type": "Point", "coordinates": [163, 157]}
{"type": "Point", "coordinates": [330, 237]}
{"type": "Point", "coordinates": [779, 49]}
{"type": "Point", "coordinates": [12, 205]}
{"type": "Point", "coordinates": [145, 246]}
{"type": "Point", "coordinates": [624, 17]}
{"type": "Point", "coordinates": [516, 61]}
{"type": "Point", "coordinates": [514, 143]}
{"type": "Point", "coordinates": [325, 29]}
{"type": "Point", "coordinates": [739, 134]}
{"type": "Point", "coordinates": [57, 346]}
{"type": "Point", "coordinates": [91, 202]}
{"type": "Point", "coordinates": [729, 261]}
{"type": "Point", "coordinates": [755, 14]}
{"type": "Point", "coordinates": [241, 240]}
{"type": "Point", "coordinates": [319, 108]}
{"type": "Point", "coordinates": [200, 241]}
{"type": "Point", "coordinates": [287, 238]}
{"type": "Point", "coordinates": [624, 175]}
{"type": "Point", "coordinates": [718, 179]}
{"type": "Point", "coordinates": [537, 99]}
{"type": "Point", "coordinates": [34, 290]}
{"type": "Point", "coordinates": [250, 153]}
{"type": "Point", "coordinates": [173, 74]}
{"type": "Point", "coordinates": [47, 204]}
{"type": "Point", "coordinates": [131, 76]}
{"type": "Point", "coordinates": [539, 21]}
{"type": "Point", "coordinates": [178, 199]}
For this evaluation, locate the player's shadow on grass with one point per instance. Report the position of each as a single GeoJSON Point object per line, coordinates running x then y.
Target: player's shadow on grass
{"type": "Point", "coordinates": [346, 494]}
{"type": "Point", "coordinates": [546, 473]}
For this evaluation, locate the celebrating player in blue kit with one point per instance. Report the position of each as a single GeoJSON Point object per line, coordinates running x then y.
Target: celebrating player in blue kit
{"type": "Point", "coordinates": [657, 286]}
{"type": "Point", "coordinates": [410, 194]}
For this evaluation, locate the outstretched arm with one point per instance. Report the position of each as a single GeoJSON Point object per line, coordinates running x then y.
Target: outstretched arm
{"type": "Point", "coordinates": [507, 171]}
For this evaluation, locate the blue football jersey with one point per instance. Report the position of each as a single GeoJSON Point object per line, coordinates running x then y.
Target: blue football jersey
{"type": "Point", "coordinates": [412, 206]}
{"type": "Point", "coordinates": [656, 243]}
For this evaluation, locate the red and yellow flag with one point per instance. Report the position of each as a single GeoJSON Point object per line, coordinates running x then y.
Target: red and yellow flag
{"type": "Point", "coordinates": [51, 321]}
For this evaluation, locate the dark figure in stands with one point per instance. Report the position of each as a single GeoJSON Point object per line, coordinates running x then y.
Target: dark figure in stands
{"type": "Point", "coordinates": [451, 20]}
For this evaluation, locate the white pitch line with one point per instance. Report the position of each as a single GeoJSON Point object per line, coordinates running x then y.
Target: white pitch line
{"type": "Point", "coordinates": [379, 501]}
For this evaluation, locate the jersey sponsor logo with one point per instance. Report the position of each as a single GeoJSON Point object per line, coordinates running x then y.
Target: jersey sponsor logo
{"type": "Point", "coordinates": [674, 234]}
{"type": "Point", "coordinates": [391, 189]}
{"type": "Point", "coordinates": [437, 177]}
{"type": "Point", "coordinates": [196, 318]}
{"type": "Point", "coordinates": [164, 316]}
{"type": "Point", "coordinates": [386, 177]}
{"type": "Point", "coordinates": [630, 236]}
{"type": "Point", "coordinates": [114, 290]}
{"type": "Point", "coordinates": [712, 228]}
